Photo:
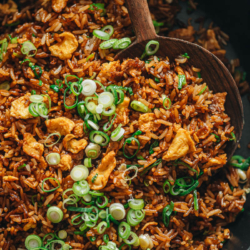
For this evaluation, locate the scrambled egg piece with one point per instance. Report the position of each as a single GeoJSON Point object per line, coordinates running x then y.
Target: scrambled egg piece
{"type": "Point", "coordinates": [147, 122]}
{"type": "Point", "coordinates": [110, 71]}
{"type": "Point", "coordinates": [121, 109]}
{"type": "Point", "coordinates": [64, 49]}
{"type": "Point", "coordinates": [180, 146]}
{"type": "Point", "coordinates": [73, 145]}
{"type": "Point", "coordinates": [20, 108]}
{"type": "Point", "coordinates": [66, 162]}
{"type": "Point", "coordinates": [34, 149]}
{"type": "Point", "coordinates": [78, 130]}
{"type": "Point", "coordinates": [222, 160]}
{"type": "Point", "coordinates": [62, 125]}
{"type": "Point", "coordinates": [98, 178]}
{"type": "Point", "coordinates": [59, 5]}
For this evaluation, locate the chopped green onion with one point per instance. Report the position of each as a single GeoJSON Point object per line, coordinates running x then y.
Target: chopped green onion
{"type": "Point", "coordinates": [102, 214]}
{"type": "Point", "coordinates": [36, 98]}
{"type": "Point", "coordinates": [148, 49]}
{"type": "Point", "coordinates": [157, 79]}
{"type": "Point", "coordinates": [34, 69]}
{"type": "Point", "coordinates": [101, 227]}
{"type": "Point", "coordinates": [157, 24]}
{"type": "Point", "coordinates": [129, 141]}
{"type": "Point", "coordinates": [139, 106]}
{"type": "Point", "coordinates": [55, 88]}
{"type": "Point", "coordinates": [202, 91]}
{"type": "Point", "coordinates": [81, 188]}
{"type": "Point", "coordinates": [81, 109]}
{"type": "Point", "coordinates": [48, 235]}
{"type": "Point", "coordinates": [122, 43]}
{"type": "Point", "coordinates": [108, 44]}
{"type": "Point", "coordinates": [64, 100]}
{"type": "Point", "coordinates": [94, 178]}
{"type": "Point", "coordinates": [153, 145]}
{"type": "Point", "coordinates": [12, 24]}
{"type": "Point", "coordinates": [134, 220]}
{"type": "Point", "coordinates": [186, 55]}
{"type": "Point", "coordinates": [233, 137]}
{"type": "Point", "coordinates": [181, 81]}
{"type": "Point", "coordinates": [118, 133]}
{"type": "Point", "coordinates": [136, 204]}
{"type": "Point", "coordinates": [27, 47]}
{"type": "Point", "coordinates": [186, 165]}
{"type": "Point", "coordinates": [110, 28]}
{"type": "Point", "coordinates": [88, 87]}
{"type": "Point", "coordinates": [87, 162]}
{"type": "Point", "coordinates": [124, 230]}
{"type": "Point", "coordinates": [50, 190]}
{"type": "Point", "coordinates": [169, 103]}
{"type": "Point", "coordinates": [93, 150]}
{"type": "Point", "coordinates": [199, 74]}
{"type": "Point", "coordinates": [166, 183]}
{"type": "Point", "coordinates": [89, 57]}
{"type": "Point", "coordinates": [22, 166]}
{"type": "Point", "coordinates": [109, 112]}
{"type": "Point", "coordinates": [53, 242]}
{"type": "Point", "coordinates": [117, 211]}
{"type": "Point", "coordinates": [101, 34]}
{"type": "Point", "coordinates": [107, 126]}
{"type": "Point", "coordinates": [106, 99]}
{"type": "Point", "coordinates": [33, 241]}
{"type": "Point", "coordinates": [5, 86]}
{"type": "Point", "coordinates": [166, 213]}
{"type": "Point", "coordinates": [55, 214]}
{"type": "Point", "coordinates": [133, 239]}
{"type": "Point", "coordinates": [216, 136]}
{"type": "Point", "coordinates": [79, 172]}
{"type": "Point", "coordinates": [77, 222]}
{"type": "Point", "coordinates": [62, 234]}
{"type": "Point", "coordinates": [102, 203]}
{"type": "Point", "coordinates": [93, 238]}
{"type": "Point", "coordinates": [53, 134]}
{"type": "Point", "coordinates": [106, 238]}
{"type": "Point", "coordinates": [53, 158]}
{"type": "Point", "coordinates": [13, 40]}
{"type": "Point", "coordinates": [151, 166]}
{"type": "Point", "coordinates": [196, 205]}
{"type": "Point", "coordinates": [98, 6]}
{"type": "Point", "coordinates": [33, 92]}
{"type": "Point", "coordinates": [79, 88]}
{"type": "Point", "coordinates": [80, 209]}
{"type": "Point", "coordinates": [239, 162]}
{"type": "Point", "coordinates": [99, 138]}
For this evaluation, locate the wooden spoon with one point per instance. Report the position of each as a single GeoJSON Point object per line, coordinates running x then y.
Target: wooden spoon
{"type": "Point", "coordinates": [213, 71]}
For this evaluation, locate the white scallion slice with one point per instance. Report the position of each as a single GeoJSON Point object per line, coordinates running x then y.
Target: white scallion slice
{"type": "Point", "coordinates": [62, 234]}
{"type": "Point", "coordinates": [88, 87]}
{"type": "Point", "coordinates": [55, 214]}
{"type": "Point", "coordinates": [79, 173]}
{"type": "Point", "coordinates": [106, 99]}
{"type": "Point", "coordinates": [53, 158]}
{"type": "Point", "coordinates": [93, 150]}
{"type": "Point", "coordinates": [99, 109]}
{"type": "Point", "coordinates": [91, 107]}
{"type": "Point", "coordinates": [117, 134]}
{"type": "Point", "coordinates": [98, 139]}
{"type": "Point", "coordinates": [5, 86]}
{"type": "Point", "coordinates": [36, 98]}
{"type": "Point", "coordinates": [87, 197]}
{"type": "Point", "coordinates": [117, 211]}
{"type": "Point", "coordinates": [93, 125]}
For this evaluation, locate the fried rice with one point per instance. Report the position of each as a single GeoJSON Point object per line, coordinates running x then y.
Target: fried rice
{"type": "Point", "coordinates": [173, 139]}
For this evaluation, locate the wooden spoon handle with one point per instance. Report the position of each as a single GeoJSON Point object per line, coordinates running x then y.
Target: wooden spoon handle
{"type": "Point", "coordinates": [142, 23]}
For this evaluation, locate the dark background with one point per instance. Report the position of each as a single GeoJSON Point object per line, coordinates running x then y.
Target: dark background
{"type": "Point", "coordinates": [233, 17]}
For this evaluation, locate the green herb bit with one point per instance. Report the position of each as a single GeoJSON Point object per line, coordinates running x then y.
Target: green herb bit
{"type": "Point", "coordinates": [150, 167]}
{"type": "Point", "coordinates": [186, 55]}
{"type": "Point", "coordinates": [181, 81]}
{"type": "Point", "coordinates": [153, 145]}
{"type": "Point", "coordinates": [94, 178]}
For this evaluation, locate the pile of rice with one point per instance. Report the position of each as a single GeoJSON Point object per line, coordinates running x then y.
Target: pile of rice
{"type": "Point", "coordinates": [198, 113]}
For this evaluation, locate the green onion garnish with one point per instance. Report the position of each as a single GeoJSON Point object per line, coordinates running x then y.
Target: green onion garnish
{"type": "Point", "coordinates": [122, 43]}
{"type": "Point", "coordinates": [196, 205]}
{"type": "Point", "coordinates": [181, 81]}
{"type": "Point", "coordinates": [139, 106]}
{"type": "Point", "coordinates": [150, 167]}
{"type": "Point", "coordinates": [27, 47]}
{"type": "Point", "coordinates": [166, 213]}
{"type": "Point", "coordinates": [129, 141]}
{"type": "Point", "coordinates": [186, 55]}
{"type": "Point", "coordinates": [33, 241]}
{"type": "Point", "coordinates": [202, 91]}
{"type": "Point", "coordinates": [153, 145]}
{"type": "Point", "coordinates": [55, 214]}
{"type": "Point", "coordinates": [50, 190]}
{"type": "Point", "coordinates": [94, 178]}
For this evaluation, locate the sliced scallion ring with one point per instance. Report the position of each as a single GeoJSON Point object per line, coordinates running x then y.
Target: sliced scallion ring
{"type": "Point", "coordinates": [91, 107]}
{"type": "Point", "coordinates": [164, 103]}
{"type": "Point", "coordinates": [136, 204]}
{"type": "Point", "coordinates": [110, 28]}
{"type": "Point", "coordinates": [118, 133]}
{"type": "Point", "coordinates": [88, 87]}
{"type": "Point", "coordinates": [148, 49]}
{"type": "Point", "coordinates": [55, 214]}
{"type": "Point", "coordinates": [108, 44]}
{"type": "Point", "coordinates": [101, 34]}
{"type": "Point", "coordinates": [93, 150]}
{"type": "Point", "coordinates": [53, 134]}
{"type": "Point", "coordinates": [62, 234]}
{"type": "Point", "coordinates": [102, 214]}
{"type": "Point", "coordinates": [139, 106]}
{"type": "Point", "coordinates": [93, 125]}
{"type": "Point", "coordinates": [87, 162]}
{"type": "Point", "coordinates": [27, 47]}
{"type": "Point", "coordinates": [81, 188]}
{"type": "Point", "coordinates": [79, 172]}
{"type": "Point", "coordinates": [99, 137]}
{"type": "Point", "coordinates": [53, 158]}
{"type": "Point", "coordinates": [122, 43]}
{"type": "Point", "coordinates": [33, 241]}
{"type": "Point", "coordinates": [109, 112]}
{"type": "Point", "coordinates": [106, 99]}
{"type": "Point", "coordinates": [124, 230]}
{"type": "Point", "coordinates": [133, 239]}
{"type": "Point", "coordinates": [117, 211]}
{"type": "Point", "coordinates": [101, 227]}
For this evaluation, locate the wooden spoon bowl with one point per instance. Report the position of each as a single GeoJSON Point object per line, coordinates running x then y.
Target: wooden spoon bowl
{"type": "Point", "coordinates": [213, 71]}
